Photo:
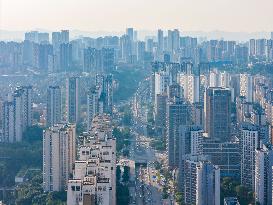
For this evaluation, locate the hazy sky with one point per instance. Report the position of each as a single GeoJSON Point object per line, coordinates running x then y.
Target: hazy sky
{"type": "Point", "coordinates": [115, 15]}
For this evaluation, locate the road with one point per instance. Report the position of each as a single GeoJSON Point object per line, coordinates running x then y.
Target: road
{"type": "Point", "coordinates": [147, 190]}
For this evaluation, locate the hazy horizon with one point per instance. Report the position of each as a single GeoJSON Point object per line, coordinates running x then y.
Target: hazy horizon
{"type": "Point", "coordinates": [109, 15]}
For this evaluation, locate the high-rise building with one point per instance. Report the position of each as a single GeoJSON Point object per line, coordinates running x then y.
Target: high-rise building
{"type": "Point", "coordinates": [32, 36]}
{"type": "Point", "coordinates": [252, 47]}
{"type": "Point", "coordinates": [140, 51]}
{"type": "Point", "coordinates": [246, 86]}
{"type": "Point", "coordinates": [92, 105]}
{"type": "Point", "coordinates": [65, 56]}
{"type": "Point", "coordinates": [59, 153]}
{"type": "Point", "coordinates": [226, 155]}
{"type": "Point", "coordinates": [263, 175]}
{"type": "Point", "coordinates": [27, 106]}
{"type": "Point", "coordinates": [202, 183]}
{"type": "Point", "coordinates": [174, 90]}
{"type": "Point", "coordinates": [162, 80]}
{"type": "Point", "coordinates": [108, 60]}
{"type": "Point", "coordinates": [43, 38]}
{"type": "Point", "coordinates": [218, 113]}
{"type": "Point", "coordinates": [177, 115]}
{"type": "Point", "coordinates": [160, 113]}
{"type": "Point", "coordinates": [190, 143]}
{"type": "Point", "coordinates": [94, 176]}
{"type": "Point", "coordinates": [271, 35]}
{"type": "Point", "coordinates": [191, 87]}
{"type": "Point", "coordinates": [72, 99]}
{"type": "Point", "coordinates": [56, 41]}
{"type": "Point", "coordinates": [126, 48]}
{"type": "Point", "coordinates": [176, 40]}
{"type": "Point", "coordinates": [108, 93]}
{"type": "Point", "coordinates": [160, 38]}
{"type": "Point", "coordinates": [130, 33]}
{"type": "Point", "coordinates": [54, 106]}
{"type": "Point", "coordinates": [17, 114]}
{"type": "Point", "coordinates": [8, 122]}
{"type": "Point", "coordinates": [241, 54]}
{"type": "Point", "coordinates": [249, 142]}
{"type": "Point", "coordinates": [261, 48]}
{"type": "Point", "coordinates": [65, 36]}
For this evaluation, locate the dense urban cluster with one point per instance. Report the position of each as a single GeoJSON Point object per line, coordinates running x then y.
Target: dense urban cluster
{"type": "Point", "coordinates": [59, 53]}
{"type": "Point", "coordinates": [184, 120]}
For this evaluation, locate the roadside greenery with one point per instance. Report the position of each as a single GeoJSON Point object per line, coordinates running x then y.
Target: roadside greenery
{"type": "Point", "coordinates": [123, 137]}
{"type": "Point", "coordinates": [232, 188]}
{"type": "Point", "coordinates": [127, 83]}
{"type": "Point", "coordinates": [15, 159]}
{"type": "Point", "coordinates": [31, 192]}
{"type": "Point", "coordinates": [123, 194]}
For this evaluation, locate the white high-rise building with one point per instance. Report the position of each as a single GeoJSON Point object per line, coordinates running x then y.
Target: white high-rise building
{"type": "Point", "coordinates": [72, 99]}
{"type": "Point", "coordinates": [191, 86]}
{"type": "Point", "coordinates": [54, 106]}
{"type": "Point", "coordinates": [263, 175]}
{"type": "Point", "coordinates": [214, 79]}
{"type": "Point", "coordinates": [94, 176]}
{"type": "Point", "coordinates": [249, 142]}
{"type": "Point", "coordinates": [59, 153]}
{"type": "Point", "coordinates": [224, 79]}
{"type": "Point", "coordinates": [202, 182]}
{"type": "Point", "coordinates": [162, 80]}
{"type": "Point", "coordinates": [246, 87]}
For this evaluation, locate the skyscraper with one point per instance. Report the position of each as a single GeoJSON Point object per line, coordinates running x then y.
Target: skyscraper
{"type": "Point", "coordinates": [130, 33]}
{"type": "Point", "coordinates": [72, 99]}
{"type": "Point", "coordinates": [65, 36]}
{"type": "Point", "coordinates": [218, 113]}
{"type": "Point", "coordinates": [263, 175]}
{"type": "Point", "coordinates": [160, 40]}
{"type": "Point", "coordinates": [190, 143]}
{"type": "Point", "coordinates": [54, 106]}
{"type": "Point", "coordinates": [140, 51]}
{"type": "Point", "coordinates": [65, 56]}
{"type": "Point", "coordinates": [252, 47]}
{"type": "Point", "coordinates": [162, 80]}
{"type": "Point", "coordinates": [246, 86]}
{"type": "Point", "coordinates": [92, 105]}
{"type": "Point", "coordinates": [59, 153]}
{"type": "Point", "coordinates": [249, 142]}
{"type": "Point", "coordinates": [177, 115]}
{"type": "Point", "coordinates": [8, 122]}
{"type": "Point", "coordinates": [160, 113]}
{"type": "Point", "coordinates": [226, 155]}
{"type": "Point", "coordinates": [17, 114]}
{"type": "Point", "coordinates": [202, 183]}
{"type": "Point", "coordinates": [191, 86]}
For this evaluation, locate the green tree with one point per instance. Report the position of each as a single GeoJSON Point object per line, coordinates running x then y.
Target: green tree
{"type": "Point", "coordinates": [126, 174]}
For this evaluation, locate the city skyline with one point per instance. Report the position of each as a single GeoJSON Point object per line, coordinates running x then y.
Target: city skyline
{"type": "Point", "coordinates": [86, 15]}
{"type": "Point", "coordinates": [118, 103]}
